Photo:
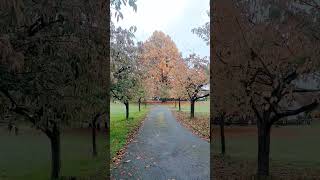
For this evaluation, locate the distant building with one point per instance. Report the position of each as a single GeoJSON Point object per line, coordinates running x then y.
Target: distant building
{"type": "Point", "coordinates": [308, 82]}
{"type": "Point", "coordinates": [204, 90]}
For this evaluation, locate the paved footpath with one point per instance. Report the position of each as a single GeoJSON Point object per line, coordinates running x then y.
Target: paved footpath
{"type": "Point", "coordinates": [164, 150]}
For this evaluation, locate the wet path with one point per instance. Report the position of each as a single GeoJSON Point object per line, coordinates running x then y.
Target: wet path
{"type": "Point", "coordinates": [164, 150]}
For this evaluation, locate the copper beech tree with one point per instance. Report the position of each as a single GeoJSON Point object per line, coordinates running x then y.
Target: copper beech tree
{"type": "Point", "coordinates": [264, 51]}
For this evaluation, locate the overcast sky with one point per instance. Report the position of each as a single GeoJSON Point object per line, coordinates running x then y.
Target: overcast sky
{"type": "Point", "coordinates": [174, 17]}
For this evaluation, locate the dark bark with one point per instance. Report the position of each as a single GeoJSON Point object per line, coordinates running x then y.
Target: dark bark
{"type": "Point", "coordinates": [127, 109]}
{"type": "Point", "coordinates": [93, 133]}
{"type": "Point", "coordinates": [222, 137]}
{"type": "Point", "coordinates": [54, 137]}
{"type": "Point", "coordinates": [179, 104]}
{"type": "Point", "coordinates": [98, 127]}
{"type": "Point", "coordinates": [263, 149]}
{"type": "Point", "coordinates": [139, 102]}
{"type": "Point", "coordinates": [106, 123]}
{"type": "Point", "coordinates": [192, 108]}
{"type": "Point", "coordinates": [94, 144]}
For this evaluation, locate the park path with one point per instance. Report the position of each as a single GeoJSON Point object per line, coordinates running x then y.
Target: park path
{"type": "Point", "coordinates": [164, 150]}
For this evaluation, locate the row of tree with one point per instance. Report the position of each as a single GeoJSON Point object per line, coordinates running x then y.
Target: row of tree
{"type": "Point", "coordinates": [154, 68]}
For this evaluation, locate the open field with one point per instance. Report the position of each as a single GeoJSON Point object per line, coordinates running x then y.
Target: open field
{"type": "Point", "coordinates": [201, 107]}
{"type": "Point", "coordinates": [120, 127]}
{"type": "Point", "coordinates": [294, 150]}
{"type": "Point", "coordinates": [28, 155]}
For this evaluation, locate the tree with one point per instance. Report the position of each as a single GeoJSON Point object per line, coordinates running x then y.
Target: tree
{"type": "Point", "coordinates": [159, 56]}
{"type": "Point", "coordinates": [195, 80]}
{"type": "Point", "coordinates": [204, 31]}
{"type": "Point", "coordinates": [42, 47]}
{"type": "Point", "coordinates": [123, 61]}
{"type": "Point", "coordinates": [178, 91]}
{"type": "Point", "coordinates": [265, 56]}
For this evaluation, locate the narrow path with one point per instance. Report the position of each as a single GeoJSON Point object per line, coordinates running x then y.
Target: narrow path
{"type": "Point", "coordinates": [164, 150]}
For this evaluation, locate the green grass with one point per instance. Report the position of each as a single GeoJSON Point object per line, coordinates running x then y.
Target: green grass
{"type": "Point", "coordinates": [120, 127]}
{"type": "Point", "coordinates": [28, 155]}
{"type": "Point", "coordinates": [202, 107]}
{"type": "Point", "coordinates": [298, 146]}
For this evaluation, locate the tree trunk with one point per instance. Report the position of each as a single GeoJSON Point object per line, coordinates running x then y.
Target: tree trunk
{"type": "Point", "coordinates": [192, 108]}
{"type": "Point", "coordinates": [55, 151]}
{"type": "Point", "coordinates": [127, 109]}
{"type": "Point", "coordinates": [107, 122]}
{"type": "Point", "coordinates": [179, 104]}
{"type": "Point", "coordinates": [94, 144]}
{"type": "Point", "coordinates": [139, 104]}
{"type": "Point", "coordinates": [223, 144]}
{"type": "Point", "coordinates": [263, 149]}
{"type": "Point", "coordinates": [94, 134]}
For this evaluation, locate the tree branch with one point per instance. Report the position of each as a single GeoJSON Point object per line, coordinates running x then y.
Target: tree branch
{"type": "Point", "coordinates": [301, 90]}
{"type": "Point", "coordinates": [201, 97]}
{"type": "Point", "coordinates": [299, 110]}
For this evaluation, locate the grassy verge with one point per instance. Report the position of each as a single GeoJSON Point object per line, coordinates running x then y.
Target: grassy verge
{"type": "Point", "coordinates": [201, 107]}
{"type": "Point", "coordinates": [294, 152]}
{"type": "Point", "coordinates": [121, 128]}
{"type": "Point", "coordinates": [200, 125]}
{"type": "Point", "coordinates": [28, 155]}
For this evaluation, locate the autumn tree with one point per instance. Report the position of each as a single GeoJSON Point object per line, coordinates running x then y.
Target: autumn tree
{"type": "Point", "coordinates": [159, 55]}
{"type": "Point", "coordinates": [195, 80]}
{"type": "Point", "coordinates": [265, 56]}
{"type": "Point", "coordinates": [178, 91]}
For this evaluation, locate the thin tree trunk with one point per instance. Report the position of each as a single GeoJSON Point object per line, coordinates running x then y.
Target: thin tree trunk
{"type": "Point", "coordinates": [55, 151]}
{"type": "Point", "coordinates": [94, 134]}
{"type": "Point", "coordinates": [179, 104]}
{"type": "Point", "coordinates": [192, 108]}
{"type": "Point", "coordinates": [263, 149]}
{"type": "Point", "coordinates": [139, 104]}
{"type": "Point", "coordinates": [106, 123]}
{"type": "Point", "coordinates": [127, 109]}
{"type": "Point", "coordinates": [223, 144]}
{"type": "Point", "coordinates": [94, 144]}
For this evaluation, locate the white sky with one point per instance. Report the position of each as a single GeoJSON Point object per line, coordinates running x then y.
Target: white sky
{"type": "Point", "coordinates": [174, 17]}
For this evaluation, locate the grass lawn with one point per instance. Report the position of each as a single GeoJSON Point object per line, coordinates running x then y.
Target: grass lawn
{"type": "Point", "coordinates": [202, 107]}
{"type": "Point", "coordinates": [28, 155]}
{"type": "Point", "coordinates": [293, 148]}
{"type": "Point", "coordinates": [120, 127]}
